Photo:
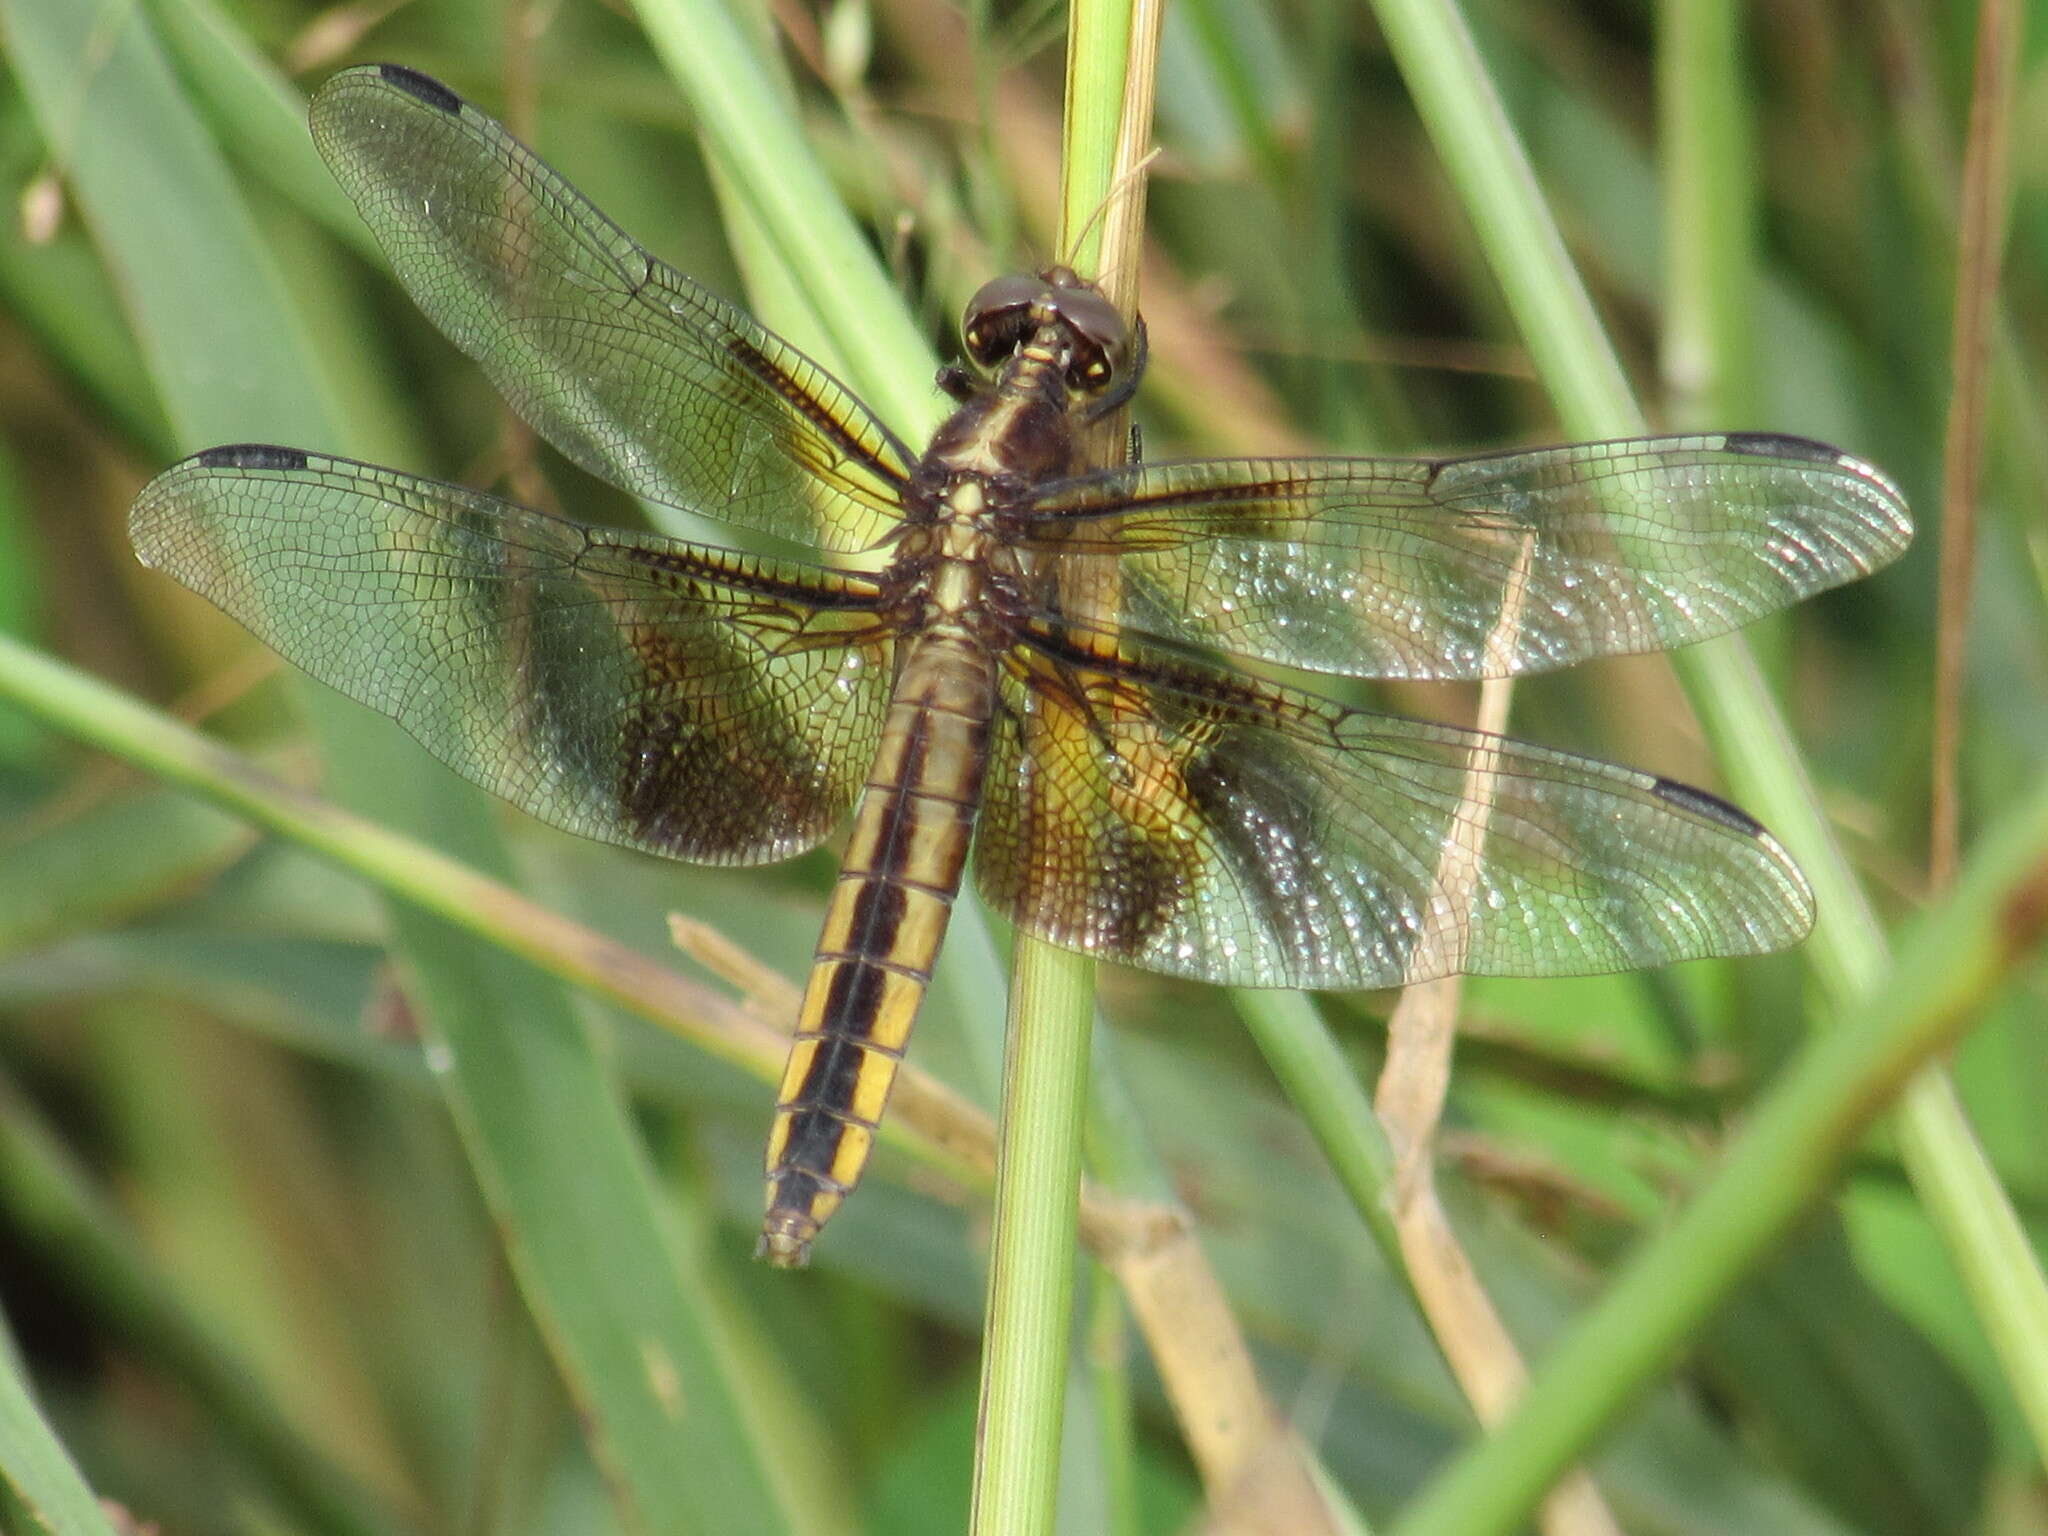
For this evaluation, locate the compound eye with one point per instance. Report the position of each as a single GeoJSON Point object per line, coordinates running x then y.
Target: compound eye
{"type": "Point", "coordinates": [1101, 341]}
{"type": "Point", "coordinates": [998, 319]}
{"type": "Point", "coordinates": [1098, 334]}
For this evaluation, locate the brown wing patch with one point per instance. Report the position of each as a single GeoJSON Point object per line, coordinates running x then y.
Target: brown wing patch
{"type": "Point", "coordinates": [1085, 829]}
{"type": "Point", "coordinates": [682, 700]}
{"type": "Point", "coordinates": [1150, 809]}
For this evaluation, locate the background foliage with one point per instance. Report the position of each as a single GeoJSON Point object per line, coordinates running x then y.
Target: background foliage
{"type": "Point", "coordinates": [241, 1252]}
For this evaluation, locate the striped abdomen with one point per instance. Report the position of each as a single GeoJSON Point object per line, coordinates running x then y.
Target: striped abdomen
{"type": "Point", "coordinates": [882, 931]}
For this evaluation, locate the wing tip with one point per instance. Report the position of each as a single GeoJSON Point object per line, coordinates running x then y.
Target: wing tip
{"type": "Point", "coordinates": [251, 456]}
{"type": "Point", "coordinates": [1889, 523]}
{"type": "Point", "coordinates": [421, 87]}
{"type": "Point", "coordinates": [1798, 911]}
{"type": "Point", "coordinates": [161, 521]}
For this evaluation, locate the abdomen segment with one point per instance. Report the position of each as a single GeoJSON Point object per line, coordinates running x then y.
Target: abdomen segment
{"type": "Point", "coordinates": [883, 927]}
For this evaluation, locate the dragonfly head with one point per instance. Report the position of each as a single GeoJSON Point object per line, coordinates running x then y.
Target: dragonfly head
{"type": "Point", "coordinates": [1011, 310]}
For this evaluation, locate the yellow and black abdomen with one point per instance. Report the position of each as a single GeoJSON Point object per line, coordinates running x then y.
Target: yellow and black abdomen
{"type": "Point", "coordinates": [883, 926]}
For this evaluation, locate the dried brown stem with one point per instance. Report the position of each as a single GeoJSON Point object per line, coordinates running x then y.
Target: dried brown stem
{"type": "Point", "coordinates": [1421, 1037]}
{"type": "Point", "coordinates": [1980, 248]}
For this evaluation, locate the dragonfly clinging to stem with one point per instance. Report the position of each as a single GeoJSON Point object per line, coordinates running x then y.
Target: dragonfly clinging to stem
{"type": "Point", "coordinates": [1124, 790]}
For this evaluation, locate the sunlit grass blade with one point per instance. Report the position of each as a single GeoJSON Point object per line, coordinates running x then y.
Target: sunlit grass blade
{"type": "Point", "coordinates": [42, 1480]}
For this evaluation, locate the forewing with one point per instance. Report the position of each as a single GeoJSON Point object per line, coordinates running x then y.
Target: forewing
{"type": "Point", "coordinates": [628, 367]}
{"type": "Point", "coordinates": [1229, 831]}
{"type": "Point", "coordinates": [1405, 568]}
{"type": "Point", "coordinates": [681, 700]}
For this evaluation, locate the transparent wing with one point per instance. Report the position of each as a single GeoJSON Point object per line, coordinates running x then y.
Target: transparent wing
{"type": "Point", "coordinates": [677, 699]}
{"type": "Point", "coordinates": [1402, 568]}
{"type": "Point", "coordinates": [626, 366]}
{"type": "Point", "coordinates": [1222, 829]}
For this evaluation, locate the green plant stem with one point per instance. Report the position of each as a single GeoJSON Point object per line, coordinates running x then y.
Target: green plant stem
{"type": "Point", "coordinates": [1035, 1244]}
{"type": "Point", "coordinates": [1710, 215]}
{"type": "Point", "coordinates": [1320, 1083]}
{"type": "Point", "coordinates": [1498, 189]}
{"type": "Point", "coordinates": [1953, 962]}
{"type": "Point", "coordinates": [1045, 1080]}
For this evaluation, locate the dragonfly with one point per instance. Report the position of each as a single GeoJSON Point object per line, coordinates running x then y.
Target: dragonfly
{"type": "Point", "coordinates": [990, 645]}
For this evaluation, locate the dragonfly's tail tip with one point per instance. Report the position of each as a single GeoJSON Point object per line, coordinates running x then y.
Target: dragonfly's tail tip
{"type": "Point", "coordinates": [786, 1239]}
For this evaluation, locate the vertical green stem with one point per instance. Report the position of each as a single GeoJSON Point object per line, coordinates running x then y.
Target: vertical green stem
{"type": "Point", "coordinates": [1709, 215]}
{"type": "Point", "coordinates": [1031, 1266]}
{"type": "Point", "coordinates": [1031, 1262]}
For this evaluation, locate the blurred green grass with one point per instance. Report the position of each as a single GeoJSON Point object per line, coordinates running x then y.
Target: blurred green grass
{"type": "Point", "coordinates": [207, 1034]}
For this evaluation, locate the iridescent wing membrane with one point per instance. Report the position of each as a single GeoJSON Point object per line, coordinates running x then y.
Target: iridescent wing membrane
{"type": "Point", "coordinates": [629, 368]}
{"type": "Point", "coordinates": [1233, 831]}
{"type": "Point", "coordinates": [684, 701]}
{"type": "Point", "coordinates": [687, 701]}
{"type": "Point", "coordinates": [1146, 806]}
{"type": "Point", "coordinates": [1400, 568]}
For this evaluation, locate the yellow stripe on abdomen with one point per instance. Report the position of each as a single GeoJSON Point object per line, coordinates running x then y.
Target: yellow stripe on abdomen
{"type": "Point", "coordinates": [883, 928]}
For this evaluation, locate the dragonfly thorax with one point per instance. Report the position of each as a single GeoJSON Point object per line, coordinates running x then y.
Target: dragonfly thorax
{"type": "Point", "coordinates": [1014, 434]}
